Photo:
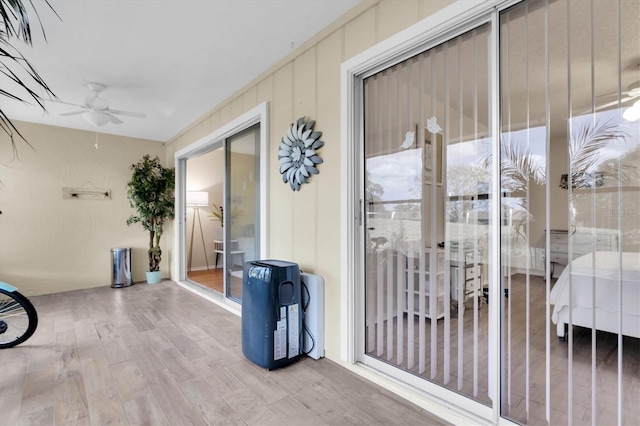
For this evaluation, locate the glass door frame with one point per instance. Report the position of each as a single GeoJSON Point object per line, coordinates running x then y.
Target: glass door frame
{"type": "Point", "coordinates": [214, 140]}
{"type": "Point", "coordinates": [228, 197]}
{"type": "Point", "coordinates": [444, 25]}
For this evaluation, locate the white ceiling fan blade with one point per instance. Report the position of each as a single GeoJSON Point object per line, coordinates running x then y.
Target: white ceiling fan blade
{"type": "Point", "coordinates": [96, 109]}
{"type": "Point", "coordinates": [610, 104]}
{"type": "Point", "coordinates": [614, 95]}
{"type": "Point", "coordinates": [73, 113]}
{"type": "Point", "coordinates": [127, 113]}
{"type": "Point", "coordinates": [114, 119]}
{"type": "Point", "coordinates": [68, 103]}
{"type": "Point", "coordinates": [632, 91]}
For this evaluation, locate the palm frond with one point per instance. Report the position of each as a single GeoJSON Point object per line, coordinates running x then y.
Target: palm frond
{"type": "Point", "coordinates": [8, 127]}
{"type": "Point", "coordinates": [516, 214]}
{"type": "Point", "coordinates": [15, 19]}
{"type": "Point", "coordinates": [517, 166]}
{"type": "Point", "coordinates": [518, 160]}
{"type": "Point", "coordinates": [14, 65]}
{"type": "Point", "coordinates": [586, 144]}
{"type": "Point", "coordinates": [15, 23]}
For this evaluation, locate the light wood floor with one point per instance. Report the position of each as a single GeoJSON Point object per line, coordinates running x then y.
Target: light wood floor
{"type": "Point", "coordinates": [212, 278]}
{"type": "Point", "coordinates": [158, 354]}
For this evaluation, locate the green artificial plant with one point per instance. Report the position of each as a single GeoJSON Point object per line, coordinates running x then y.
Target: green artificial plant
{"type": "Point", "coordinates": [150, 192]}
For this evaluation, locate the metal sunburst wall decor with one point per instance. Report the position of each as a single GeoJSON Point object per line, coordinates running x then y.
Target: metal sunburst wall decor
{"type": "Point", "coordinates": [297, 153]}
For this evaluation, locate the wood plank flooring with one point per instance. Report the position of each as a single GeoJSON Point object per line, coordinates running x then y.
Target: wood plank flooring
{"type": "Point", "coordinates": [160, 355]}
{"type": "Point", "coordinates": [212, 278]}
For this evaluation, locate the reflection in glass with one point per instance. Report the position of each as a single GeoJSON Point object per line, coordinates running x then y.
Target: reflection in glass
{"type": "Point", "coordinates": [426, 223]}
{"type": "Point", "coordinates": [570, 185]}
{"type": "Point", "coordinates": [569, 328]}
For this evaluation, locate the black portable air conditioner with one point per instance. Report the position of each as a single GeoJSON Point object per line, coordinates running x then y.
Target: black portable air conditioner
{"type": "Point", "coordinates": [271, 313]}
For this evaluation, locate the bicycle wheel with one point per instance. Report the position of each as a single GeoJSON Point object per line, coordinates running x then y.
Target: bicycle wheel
{"type": "Point", "coordinates": [18, 318]}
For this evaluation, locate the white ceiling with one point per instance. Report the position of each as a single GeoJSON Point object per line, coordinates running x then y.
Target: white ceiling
{"type": "Point", "coordinates": [173, 60]}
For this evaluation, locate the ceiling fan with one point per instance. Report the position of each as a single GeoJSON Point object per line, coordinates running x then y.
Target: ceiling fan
{"type": "Point", "coordinates": [96, 109]}
{"type": "Point", "coordinates": [630, 94]}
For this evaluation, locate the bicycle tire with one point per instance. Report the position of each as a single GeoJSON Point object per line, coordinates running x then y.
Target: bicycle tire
{"type": "Point", "coordinates": [18, 318]}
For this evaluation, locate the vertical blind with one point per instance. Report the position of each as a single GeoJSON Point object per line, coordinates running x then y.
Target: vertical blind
{"type": "Point", "coordinates": [426, 192]}
{"type": "Point", "coordinates": [569, 332]}
{"type": "Point", "coordinates": [569, 160]}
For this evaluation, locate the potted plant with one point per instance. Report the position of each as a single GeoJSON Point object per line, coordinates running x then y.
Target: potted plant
{"type": "Point", "coordinates": [150, 192]}
{"type": "Point", "coordinates": [217, 214]}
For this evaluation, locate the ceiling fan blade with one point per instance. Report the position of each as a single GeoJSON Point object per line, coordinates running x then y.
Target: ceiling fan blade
{"type": "Point", "coordinates": [127, 113]}
{"type": "Point", "coordinates": [614, 95]}
{"type": "Point", "coordinates": [632, 91]}
{"type": "Point", "coordinates": [610, 104]}
{"type": "Point", "coordinates": [114, 119]}
{"type": "Point", "coordinates": [68, 103]}
{"type": "Point", "coordinates": [96, 108]}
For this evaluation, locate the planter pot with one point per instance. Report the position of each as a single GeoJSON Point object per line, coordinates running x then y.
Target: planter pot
{"type": "Point", "coordinates": [154, 277]}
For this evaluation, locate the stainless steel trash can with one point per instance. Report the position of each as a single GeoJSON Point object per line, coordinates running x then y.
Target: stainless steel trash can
{"type": "Point", "coordinates": [121, 267]}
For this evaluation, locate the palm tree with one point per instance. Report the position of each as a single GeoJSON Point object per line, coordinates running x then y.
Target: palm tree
{"type": "Point", "coordinates": [27, 85]}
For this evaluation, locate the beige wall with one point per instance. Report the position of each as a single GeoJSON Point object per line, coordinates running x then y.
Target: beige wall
{"type": "Point", "coordinates": [305, 226]}
{"type": "Point", "coordinates": [49, 244]}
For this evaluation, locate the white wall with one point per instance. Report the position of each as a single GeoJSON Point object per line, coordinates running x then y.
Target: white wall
{"type": "Point", "coordinates": [49, 244]}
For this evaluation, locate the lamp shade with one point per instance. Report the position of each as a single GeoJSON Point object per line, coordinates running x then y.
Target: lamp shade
{"type": "Point", "coordinates": [96, 118]}
{"type": "Point", "coordinates": [197, 198]}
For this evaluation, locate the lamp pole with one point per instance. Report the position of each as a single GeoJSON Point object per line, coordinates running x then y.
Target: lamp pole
{"type": "Point", "coordinates": [195, 199]}
{"type": "Point", "coordinates": [196, 214]}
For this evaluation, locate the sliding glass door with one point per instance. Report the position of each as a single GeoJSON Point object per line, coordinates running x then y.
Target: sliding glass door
{"type": "Point", "coordinates": [205, 191]}
{"type": "Point", "coordinates": [570, 75]}
{"type": "Point", "coordinates": [224, 179]}
{"type": "Point", "coordinates": [566, 75]}
{"type": "Point", "coordinates": [426, 156]}
{"type": "Point", "coordinates": [241, 208]}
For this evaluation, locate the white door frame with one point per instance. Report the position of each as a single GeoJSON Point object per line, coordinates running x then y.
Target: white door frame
{"type": "Point", "coordinates": [444, 25]}
{"type": "Point", "coordinates": [258, 114]}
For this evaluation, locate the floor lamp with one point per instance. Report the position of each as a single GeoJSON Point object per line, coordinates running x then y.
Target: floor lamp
{"type": "Point", "coordinates": [195, 200]}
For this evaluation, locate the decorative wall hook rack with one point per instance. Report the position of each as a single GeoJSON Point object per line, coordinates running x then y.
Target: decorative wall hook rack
{"type": "Point", "coordinates": [86, 194]}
